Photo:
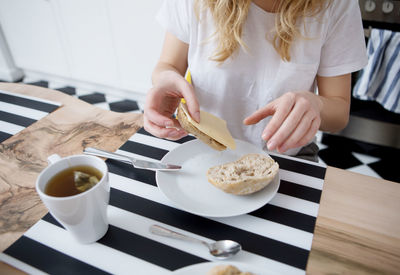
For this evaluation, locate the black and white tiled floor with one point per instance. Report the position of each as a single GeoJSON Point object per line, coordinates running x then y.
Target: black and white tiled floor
{"type": "Point", "coordinates": [360, 157]}
{"type": "Point", "coordinates": [99, 99]}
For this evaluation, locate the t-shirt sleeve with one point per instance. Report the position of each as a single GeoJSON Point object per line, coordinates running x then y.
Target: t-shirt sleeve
{"type": "Point", "coordinates": [175, 17]}
{"type": "Point", "coordinates": [344, 49]}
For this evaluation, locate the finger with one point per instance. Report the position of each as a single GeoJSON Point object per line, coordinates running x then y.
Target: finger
{"type": "Point", "coordinates": [176, 125]}
{"type": "Point", "coordinates": [274, 125]}
{"type": "Point", "coordinates": [299, 132]}
{"type": "Point", "coordinates": [151, 109]}
{"type": "Point", "coordinates": [172, 133]}
{"type": "Point", "coordinates": [157, 118]}
{"type": "Point", "coordinates": [287, 127]}
{"type": "Point", "coordinates": [152, 98]}
{"type": "Point", "coordinates": [191, 101]}
{"type": "Point", "coordinates": [310, 133]}
{"type": "Point", "coordinates": [176, 135]}
{"type": "Point", "coordinates": [260, 114]}
{"type": "Point", "coordinates": [156, 130]}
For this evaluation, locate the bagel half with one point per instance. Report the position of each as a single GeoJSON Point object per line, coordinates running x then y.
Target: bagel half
{"type": "Point", "coordinates": [227, 270]}
{"type": "Point", "coordinates": [249, 174]}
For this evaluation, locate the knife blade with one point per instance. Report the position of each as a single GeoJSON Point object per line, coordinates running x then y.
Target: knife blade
{"type": "Point", "coordinates": [137, 163]}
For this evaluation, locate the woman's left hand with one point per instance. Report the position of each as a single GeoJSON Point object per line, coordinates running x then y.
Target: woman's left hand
{"type": "Point", "coordinates": [295, 120]}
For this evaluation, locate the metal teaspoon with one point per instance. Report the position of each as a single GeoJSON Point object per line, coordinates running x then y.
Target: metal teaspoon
{"type": "Point", "coordinates": [220, 249]}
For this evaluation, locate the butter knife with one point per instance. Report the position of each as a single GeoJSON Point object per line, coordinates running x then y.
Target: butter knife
{"type": "Point", "coordinates": [137, 163]}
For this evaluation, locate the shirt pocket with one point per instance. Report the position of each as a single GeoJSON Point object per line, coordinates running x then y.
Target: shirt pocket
{"type": "Point", "coordinates": [293, 77]}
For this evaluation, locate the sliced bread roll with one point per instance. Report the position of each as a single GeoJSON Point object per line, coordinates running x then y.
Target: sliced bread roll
{"type": "Point", "coordinates": [212, 130]}
{"type": "Point", "coordinates": [246, 175]}
{"type": "Point", "coordinates": [227, 270]}
{"type": "Point", "coordinates": [190, 128]}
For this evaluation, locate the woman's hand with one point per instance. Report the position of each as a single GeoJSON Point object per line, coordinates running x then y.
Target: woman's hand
{"type": "Point", "coordinates": [169, 87]}
{"type": "Point", "coordinates": [296, 118]}
{"type": "Point", "coordinates": [162, 101]}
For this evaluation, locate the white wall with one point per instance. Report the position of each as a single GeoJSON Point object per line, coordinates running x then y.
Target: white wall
{"type": "Point", "coordinates": [32, 35]}
{"type": "Point", "coordinates": [112, 44]}
{"type": "Point", "coordinates": [8, 70]}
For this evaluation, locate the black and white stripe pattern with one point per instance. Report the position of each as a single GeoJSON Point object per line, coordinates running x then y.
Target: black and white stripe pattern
{"type": "Point", "coordinates": [18, 112]}
{"type": "Point", "coordinates": [356, 156]}
{"type": "Point", "coordinates": [276, 238]}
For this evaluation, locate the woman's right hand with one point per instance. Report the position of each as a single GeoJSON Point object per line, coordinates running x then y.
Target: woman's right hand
{"type": "Point", "coordinates": [162, 101]}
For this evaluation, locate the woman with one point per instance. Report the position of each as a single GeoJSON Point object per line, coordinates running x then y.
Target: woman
{"type": "Point", "coordinates": [276, 71]}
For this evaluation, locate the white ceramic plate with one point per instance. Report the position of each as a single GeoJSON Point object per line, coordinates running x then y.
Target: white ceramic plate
{"type": "Point", "coordinates": [190, 190]}
{"type": "Point", "coordinates": [204, 268]}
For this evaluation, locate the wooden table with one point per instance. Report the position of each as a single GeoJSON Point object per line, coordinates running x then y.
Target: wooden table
{"type": "Point", "coordinates": [357, 229]}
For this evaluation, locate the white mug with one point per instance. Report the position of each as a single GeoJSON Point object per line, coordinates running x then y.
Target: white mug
{"type": "Point", "coordinates": [84, 215]}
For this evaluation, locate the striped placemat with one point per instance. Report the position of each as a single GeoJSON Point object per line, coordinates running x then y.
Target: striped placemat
{"type": "Point", "coordinates": [19, 111]}
{"type": "Point", "coordinates": [276, 238]}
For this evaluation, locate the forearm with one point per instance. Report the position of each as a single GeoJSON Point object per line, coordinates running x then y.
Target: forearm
{"type": "Point", "coordinates": [173, 59]}
{"type": "Point", "coordinates": [161, 69]}
{"type": "Point", "coordinates": [334, 93]}
{"type": "Point", "coordinates": [334, 114]}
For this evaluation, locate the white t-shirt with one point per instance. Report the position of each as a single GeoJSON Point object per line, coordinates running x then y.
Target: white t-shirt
{"type": "Point", "coordinates": [249, 79]}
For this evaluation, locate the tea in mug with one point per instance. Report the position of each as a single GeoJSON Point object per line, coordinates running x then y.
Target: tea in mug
{"type": "Point", "coordinates": [73, 181]}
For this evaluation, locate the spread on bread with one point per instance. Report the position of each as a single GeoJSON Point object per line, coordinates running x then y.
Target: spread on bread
{"type": "Point", "coordinates": [212, 130]}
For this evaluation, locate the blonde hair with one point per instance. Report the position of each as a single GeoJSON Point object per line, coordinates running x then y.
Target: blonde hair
{"type": "Point", "coordinates": [230, 15]}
